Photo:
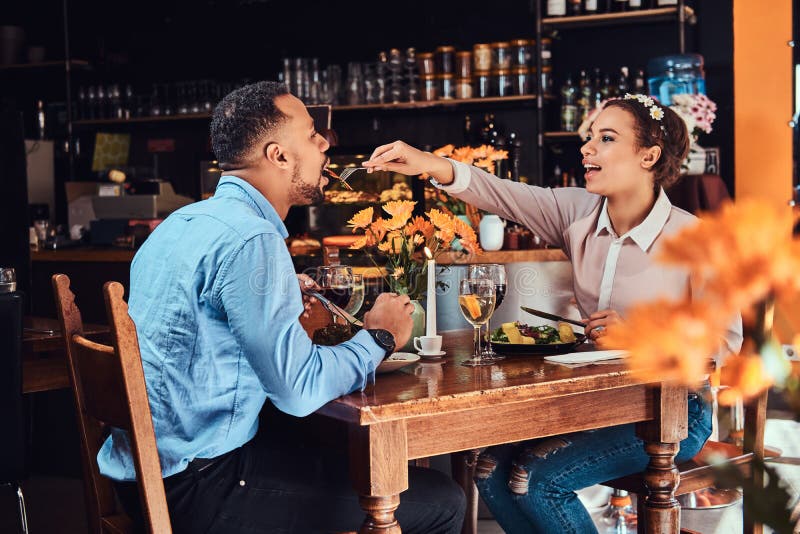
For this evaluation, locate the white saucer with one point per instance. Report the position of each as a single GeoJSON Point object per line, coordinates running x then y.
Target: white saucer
{"type": "Point", "coordinates": [396, 361]}
{"type": "Point", "coordinates": [432, 354]}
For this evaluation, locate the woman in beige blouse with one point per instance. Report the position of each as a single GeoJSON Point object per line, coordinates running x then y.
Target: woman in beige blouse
{"type": "Point", "coordinates": [611, 232]}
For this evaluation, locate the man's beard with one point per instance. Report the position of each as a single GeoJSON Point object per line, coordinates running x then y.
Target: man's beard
{"type": "Point", "coordinates": [304, 193]}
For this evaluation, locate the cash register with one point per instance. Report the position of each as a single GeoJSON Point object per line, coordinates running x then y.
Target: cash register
{"type": "Point", "coordinates": [116, 216]}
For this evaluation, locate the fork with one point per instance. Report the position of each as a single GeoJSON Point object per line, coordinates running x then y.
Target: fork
{"type": "Point", "coordinates": [339, 178]}
{"type": "Point", "coordinates": [349, 171]}
{"type": "Point", "coordinates": [333, 308]}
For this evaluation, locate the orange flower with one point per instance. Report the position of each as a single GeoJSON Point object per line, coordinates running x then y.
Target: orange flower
{"type": "Point", "coordinates": [745, 376]}
{"type": "Point", "coordinates": [668, 340]}
{"type": "Point", "coordinates": [464, 154]}
{"type": "Point", "coordinates": [444, 151]}
{"type": "Point", "coordinates": [421, 226]}
{"type": "Point", "coordinates": [440, 220]}
{"type": "Point", "coordinates": [393, 243]}
{"type": "Point", "coordinates": [359, 243]}
{"type": "Point", "coordinates": [400, 210]}
{"type": "Point", "coordinates": [361, 219]}
{"type": "Point", "coordinates": [486, 163]}
{"type": "Point", "coordinates": [741, 253]}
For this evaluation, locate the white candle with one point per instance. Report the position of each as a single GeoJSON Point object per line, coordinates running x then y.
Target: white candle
{"type": "Point", "coordinates": [430, 313]}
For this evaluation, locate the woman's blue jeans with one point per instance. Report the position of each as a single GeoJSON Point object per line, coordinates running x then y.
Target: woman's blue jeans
{"type": "Point", "coordinates": [530, 486]}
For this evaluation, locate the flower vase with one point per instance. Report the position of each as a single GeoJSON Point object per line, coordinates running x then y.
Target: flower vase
{"type": "Point", "coordinates": [696, 160]}
{"type": "Point", "coordinates": [417, 328]}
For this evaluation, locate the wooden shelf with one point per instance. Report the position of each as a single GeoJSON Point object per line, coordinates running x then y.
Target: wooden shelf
{"type": "Point", "coordinates": [502, 256]}
{"type": "Point", "coordinates": [44, 65]}
{"type": "Point", "coordinates": [562, 136]}
{"type": "Point", "coordinates": [139, 120]}
{"type": "Point", "coordinates": [365, 107]}
{"type": "Point", "coordinates": [439, 103]}
{"type": "Point", "coordinates": [628, 17]}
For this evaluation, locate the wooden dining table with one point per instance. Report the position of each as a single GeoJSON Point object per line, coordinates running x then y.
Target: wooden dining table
{"type": "Point", "coordinates": [44, 361]}
{"type": "Point", "coordinates": [437, 407]}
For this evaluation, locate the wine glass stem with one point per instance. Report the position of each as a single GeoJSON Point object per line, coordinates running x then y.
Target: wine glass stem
{"type": "Point", "coordinates": [477, 354]}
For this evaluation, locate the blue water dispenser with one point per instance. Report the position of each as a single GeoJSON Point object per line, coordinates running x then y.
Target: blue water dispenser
{"type": "Point", "coordinates": [674, 75]}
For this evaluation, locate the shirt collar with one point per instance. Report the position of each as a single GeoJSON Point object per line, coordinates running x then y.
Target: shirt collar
{"type": "Point", "coordinates": [235, 186]}
{"type": "Point", "coordinates": [645, 232]}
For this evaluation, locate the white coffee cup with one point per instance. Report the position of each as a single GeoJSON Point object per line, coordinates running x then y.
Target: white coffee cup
{"type": "Point", "coordinates": [428, 344]}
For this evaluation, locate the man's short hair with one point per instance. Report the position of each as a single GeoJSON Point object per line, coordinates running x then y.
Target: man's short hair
{"type": "Point", "coordinates": [243, 119]}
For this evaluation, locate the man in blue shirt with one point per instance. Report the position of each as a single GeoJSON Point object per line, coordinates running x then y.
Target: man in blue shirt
{"type": "Point", "coordinates": [216, 304]}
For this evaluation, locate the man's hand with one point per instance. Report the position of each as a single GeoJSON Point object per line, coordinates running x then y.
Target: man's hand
{"type": "Point", "coordinates": [391, 312]}
{"type": "Point", "coordinates": [306, 282]}
{"type": "Point", "coordinates": [598, 321]}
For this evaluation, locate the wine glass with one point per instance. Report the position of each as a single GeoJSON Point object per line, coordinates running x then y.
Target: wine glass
{"type": "Point", "coordinates": [476, 300]}
{"type": "Point", "coordinates": [336, 284]}
{"type": "Point", "coordinates": [497, 274]}
{"type": "Point", "coordinates": [357, 296]}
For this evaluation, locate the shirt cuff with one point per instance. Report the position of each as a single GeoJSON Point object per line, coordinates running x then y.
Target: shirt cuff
{"type": "Point", "coordinates": [461, 178]}
{"type": "Point", "coordinates": [376, 352]}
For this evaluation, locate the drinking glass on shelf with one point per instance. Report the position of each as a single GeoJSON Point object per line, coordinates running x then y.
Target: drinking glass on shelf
{"type": "Point", "coordinates": [476, 299]}
{"type": "Point", "coordinates": [336, 284]}
{"type": "Point", "coordinates": [8, 280]}
{"type": "Point", "coordinates": [357, 296]}
{"type": "Point", "coordinates": [497, 274]}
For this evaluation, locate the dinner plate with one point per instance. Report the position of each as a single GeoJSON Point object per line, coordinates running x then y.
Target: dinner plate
{"type": "Point", "coordinates": [543, 349]}
{"type": "Point", "coordinates": [397, 361]}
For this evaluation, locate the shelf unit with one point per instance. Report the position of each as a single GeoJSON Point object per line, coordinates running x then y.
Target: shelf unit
{"type": "Point", "coordinates": [681, 14]}
{"type": "Point", "coordinates": [73, 63]}
{"type": "Point", "coordinates": [661, 14]}
{"type": "Point", "coordinates": [434, 104]}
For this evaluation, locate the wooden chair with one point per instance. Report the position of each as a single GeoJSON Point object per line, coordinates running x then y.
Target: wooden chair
{"type": "Point", "coordinates": [698, 474]}
{"type": "Point", "coordinates": [109, 389]}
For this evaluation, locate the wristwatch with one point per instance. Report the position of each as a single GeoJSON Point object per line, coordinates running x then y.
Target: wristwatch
{"type": "Point", "coordinates": [384, 339]}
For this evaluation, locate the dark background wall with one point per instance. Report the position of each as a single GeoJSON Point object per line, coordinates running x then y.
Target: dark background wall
{"type": "Point", "coordinates": [237, 40]}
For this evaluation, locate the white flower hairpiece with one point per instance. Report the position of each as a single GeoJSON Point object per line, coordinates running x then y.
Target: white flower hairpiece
{"type": "Point", "coordinates": [655, 112]}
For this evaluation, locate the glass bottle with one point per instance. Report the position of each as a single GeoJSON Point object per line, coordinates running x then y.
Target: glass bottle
{"type": "Point", "coordinates": [482, 57]}
{"type": "Point", "coordinates": [585, 95]}
{"type": "Point", "coordinates": [574, 7]}
{"type": "Point", "coordinates": [639, 82]}
{"type": "Point", "coordinates": [569, 108]}
{"type": "Point", "coordinates": [315, 85]}
{"type": "Point", "coordinates": [288, 79]}
{"type": "Point", "coordinates": [622, 82]}
{"type": "Point", "coordinates": [620, 516]}
{"type": "Point", "coordinates": [607, 90]}
{"type": "Point", "coordinates": [411, 74]}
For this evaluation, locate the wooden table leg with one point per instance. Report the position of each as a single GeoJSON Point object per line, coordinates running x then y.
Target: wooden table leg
{"type": "Point", "coordinates": [379, 470]}
{"type": "Point", "coordinates": [380, 514]}
{"type": "Point", "coordinates": [661, 478]}
{"type": "Point", "coordinates": [662, 437]}
{"type": "Point", "coordinates": [462, 466]}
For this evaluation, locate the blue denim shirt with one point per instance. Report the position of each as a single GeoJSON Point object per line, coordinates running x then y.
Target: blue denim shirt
{"type": "Point", "coordinates": [216, 303]}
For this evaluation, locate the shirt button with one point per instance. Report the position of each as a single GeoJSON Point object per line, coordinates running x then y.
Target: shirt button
{"type": "Point", "coordinates": [242, 482]}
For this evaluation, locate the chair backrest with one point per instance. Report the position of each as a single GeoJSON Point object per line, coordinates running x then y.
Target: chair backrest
{"type": "Point", "coordinates": [109, 388]}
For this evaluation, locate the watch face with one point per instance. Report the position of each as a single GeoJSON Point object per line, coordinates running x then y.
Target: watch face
{"type": "Point", "coordinates": [384, 338]}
